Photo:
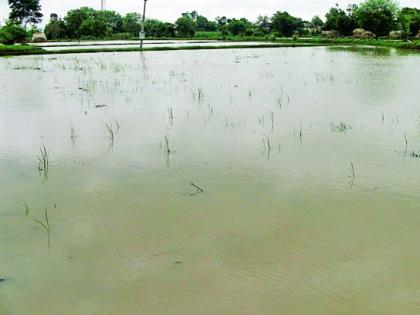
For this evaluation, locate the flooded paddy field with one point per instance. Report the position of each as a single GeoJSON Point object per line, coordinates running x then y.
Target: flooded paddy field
{"type": "Point", "coordinates": [257, 181]}
{"type": "Point", "coordinates": [57, 46]}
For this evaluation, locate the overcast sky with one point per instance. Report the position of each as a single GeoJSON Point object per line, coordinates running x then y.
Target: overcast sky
{"type": "Point", "coordinates": [169, 10]}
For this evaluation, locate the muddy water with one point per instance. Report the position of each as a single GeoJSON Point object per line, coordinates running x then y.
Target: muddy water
{"type": "Point", "coordinates": [284, 224]}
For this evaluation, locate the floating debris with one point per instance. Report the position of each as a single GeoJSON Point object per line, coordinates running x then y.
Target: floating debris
{"type": "Point", "coordinates": [101, 106]}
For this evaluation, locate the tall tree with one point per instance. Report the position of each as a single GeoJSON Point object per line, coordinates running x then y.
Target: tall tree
{"type": "Point", "coordinates": [378, 16]}
{"type": "Point", "coordinates": [340, 20]}
{"type": "Point", "coordinates": [25, 11]}
{"type": "Point", "coordinates": [284, 23]}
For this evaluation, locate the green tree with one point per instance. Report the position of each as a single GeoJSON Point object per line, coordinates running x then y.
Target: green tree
{"type": "Point", "coordinates": [74, 20]}
{"type": "Point", "coordinates": [316, 24]}
{"type": "Point", "coordinates": [341, 21]}
{"type": "Point", "coordinates": [55, 29]}
{"type": "Point", "coordinates": [239, 27]}
{"type": "Point", "coordinates": [131, 23]}
{"type": "Point", "coordinates": [12, 33]}
{"type": "Point", "coordinates": [158, 28]}
{"type": "Point", "coordinates": [185, 26]}
{"type": "Point", "coordinates": [378, 16]}
{"type": "Point", "coordinates": [25, 11]}
{"type": "Point", "coordinates": [204, 25]}
{"type": "Point", "coordinates": [284, 23]}
{"type": "Point", "coordinates": [409, 18]}
{"type": "Point", "coordinates": [264, 23]}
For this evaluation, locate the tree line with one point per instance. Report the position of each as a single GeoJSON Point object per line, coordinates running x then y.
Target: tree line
{"type": "Point", "coordinates": [378, 16]}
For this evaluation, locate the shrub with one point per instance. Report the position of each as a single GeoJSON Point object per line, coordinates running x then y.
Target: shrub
{"type": "Point", "coordinates": [12, 33]}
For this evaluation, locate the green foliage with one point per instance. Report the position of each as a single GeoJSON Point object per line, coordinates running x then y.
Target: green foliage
{"type": "Point", "coordinates": [341, 21]}
{"type": "Point", "coordinates": [378, 16]}
{"type": "Point", "coordinates": [131, 23]}
{"type": "Point", "coordinates": [185, 26]}
{"type": "Point", "coordinates": [12, 33]}
{"type": "Point", "coordinates": [55, 29]}
{"type": "Point", "coordinates": [409, 18]}
{"type": "Point", "coordinates": [285, 24]}
{"type": "Point", "coordinates": [25, 11]}
{"type": "Point", "coordinates": [156, 28]}
{"type": "Point", "coordinates": [239, 27]}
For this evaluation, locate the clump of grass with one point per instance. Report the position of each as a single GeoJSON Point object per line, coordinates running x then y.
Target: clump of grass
{"type": "Point", "coordinates": [26, 209]}
{"type": "Point", "coordinates": [415, 155]}
{"type": "Point", "coordinates": [341, 127]}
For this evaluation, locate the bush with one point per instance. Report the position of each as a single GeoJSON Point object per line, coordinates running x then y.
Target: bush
{"type": "Point", "coordinates": [12, 33]}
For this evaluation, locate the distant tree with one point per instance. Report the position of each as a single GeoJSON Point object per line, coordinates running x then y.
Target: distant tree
{"type": "Point", "coordinates": [25, 11]}
{"type": "Point", "coordinates": [317, 23]}
{"type": "Point", "coordinates": [131, 23]}
{"type": "Point", "coordinates": [158, 28]}
{"type": "Point", "coordinates": [221, 21]}
{"type": "Point", "coordinates": [284, 23]}
{"type": "Point", "coordinates": [378, 16]}
{"type": "Point", "coordinates": [264, 23]}
{"type": "Point", "coordinates": [185, 26]}
{"type": "Point", "coordinates": [409, 18]}
{"type": "Point", "coordinates": [204, 25]}
{"type": "Point", "coordinates": [340, 20]}
{"type": "Point", "coordinates": [55, 29]}
{"type": "Point", "coordinates": [74, 20]}
{"type": "Point", "coordinates": [239, 27]}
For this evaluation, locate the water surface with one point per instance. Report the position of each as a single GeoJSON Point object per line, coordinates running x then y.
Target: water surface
{"type": "Point", "coordinates": [283, 226]}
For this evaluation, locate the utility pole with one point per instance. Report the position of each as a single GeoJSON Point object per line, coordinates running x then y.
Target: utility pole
{"type": "Point", "coordinates": [103, 5]}
{"type": "Point", "coordinates": [142, 33]}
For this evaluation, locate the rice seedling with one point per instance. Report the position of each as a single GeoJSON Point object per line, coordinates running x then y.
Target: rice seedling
{"type": "Point", "coordinates": [352, 173]}
{"type": "Point", "coordinates": [272, 120]}
{"type": "Point", "coordinates": [200, 95]}
{"type": "Point", "coordinates": [167, 148]}
{"type": "Point", "coordinates": [171, 116]}
{"type": "Point", "coordinates": [111, 134]}
{"type": "Point", "coordinates": [199, 190]}
{"type": "Point", "coordinates": [73, 134]}
{"type": "Point", "coordinates": [43, 159]}
{"type": "Point", "coordinates": [301, 132]}
{"type": "Point", "coordinates": [45, 224]}
{"type": "Point", "coordinates": [406, 144]}
{"type": "Point", "coordinates": [26, 209]}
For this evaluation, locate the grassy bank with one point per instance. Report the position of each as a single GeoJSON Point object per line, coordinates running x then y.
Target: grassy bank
{"type": "Point", "coordinates": [38, 51]}
{"type": "Point", "coordinates": [17, 50]}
